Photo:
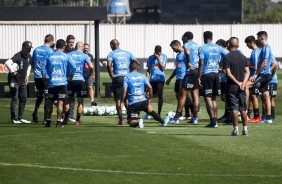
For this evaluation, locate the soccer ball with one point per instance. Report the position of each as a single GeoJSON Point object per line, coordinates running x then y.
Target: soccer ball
{"type": "Point", "coordinates": [91, 111]}
{"type": "Point", "coordinates": [85, 111]}
{"type": "Point", "coordinates": [170, 114]}
{"type": "Point", "coordinates": [15, 67]}
{"type": "Point", "coordinates": [123, 110]}
{"type": "Point", "coordinates": [100, 111]}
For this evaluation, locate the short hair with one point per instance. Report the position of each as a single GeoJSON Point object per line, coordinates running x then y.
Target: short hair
{"type": "Point", "coordinates": [175, 42]}
{"type": "Point", "coordinates": [69, 37]}
{"type": "Point", "coordinates": [188, 35]}
{"type": "Point", "coordinates": [208, 35]}
{"type": "Point", "coordinates": [250, 39]}
{"type": "Point", "coordinates": [86, 44]}
{"type": "Point", "coordinates": [134, 65]}
{"type": "Point", "coordinates": [262, 33]}
{"type": "Point", "coordinates": [221, 43]}
{"type": "Point", "coordinates": [158, 48]}
{"type": "Point", "coordinates": [49, 38]}
{"type": "Point", "coordinates": [60, 44]}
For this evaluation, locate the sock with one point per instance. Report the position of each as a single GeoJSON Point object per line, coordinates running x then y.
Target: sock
{"type": "Point", "coordinates": [67, 115]}
{"type": "Point", "coordinates": [250, 112]}
{"type": "Point", "coordinates": [187, 110]}
{"type": "Point", "coordinates": [268, 116]}
{"type": "Point", "coordinates": [245, 128]}
{"type": "Point", "coordinates": [195, 113]}
{"type": "Point", "coordinates": [236, 128]}
{"type": "Point", "coordinates": [273, 113]}
{"type": "Point", "coordinates": [78, 115]}
{"type": "Point", "coordinates": [178, 114]}
{"type": "Point", "coordinates": [48, 121]}
{"type": "Point", "coordinates": [213, 121]}
{"type": "Point", "coordinates": [256, 113]}
{"type": "Point", "coordinates": [263, 113]}
{"type": "Point", "coordinates": [159, 111]}
{"type": "Point", "coordinates": [157, 117]}
{"type": "Point", "coordinates": [120, 117]}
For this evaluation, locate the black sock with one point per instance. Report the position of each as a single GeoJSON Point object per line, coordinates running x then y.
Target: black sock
{"type": "Point", "coordinates": [157, 117]}
{"type": "Point", "coordinates": [159, 111]}
{"type": "Point", "coordinates": [256, 113]}
{"type": "Point", "coordinates": [120, 117]}
{"type": "Point", "coordinates": [187, 110]}
{"type": "Point", "coordinates": [78, 115]}
{"type": "Point", "coordinates": [273, 113]}
{"type": "Point", "coordinates": [250, 112]}
{"type": "Point", "coordinates": [213, 121]}
{"type": "Point", "coordinates": [178, 114]}
{"type": "Point", "coordinates": [67, 115]}
{"type": "Point", "coordinates": [268, 116]}
{"type": "Point", "coordinates": [263, 113]}
{"type": "Point", "coordinates": [195, 113]}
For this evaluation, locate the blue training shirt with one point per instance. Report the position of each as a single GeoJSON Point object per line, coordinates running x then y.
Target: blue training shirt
{"type": "Point", "coordinates": [211, 53]}
{"type": "Point", "coordinates": [265, 54]}
{"type": "Point", "coordinates": [56, 68]}
{"type": "Point", "coordinates": [80, 59]}
{"type": "Point", "coordinates": [180, 64]}
{"type": "Point", "coordinates": [254, 60]}
{"type": "Point", "coordinates": [274, 79]}
{"type": "Point", "coordinates": [120, 59]}
{"type": "Point", "coordinates": [135, 84]}
{"type": "Point", "coordinates": [156, 74]}
{"type": "Point", "coordinates": [39, 57]}
{"type": "Point", "coordinates": [194, 53]}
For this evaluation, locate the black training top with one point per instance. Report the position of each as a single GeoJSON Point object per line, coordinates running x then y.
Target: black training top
{"type": "Point", "coordinates": [237, 62]}
{"type": "Point", "coordinates": [23, 62]}
{"type": "Point", "coordinates": [68, 49]}
{"type": "Point", "coordinates": [91, 57]}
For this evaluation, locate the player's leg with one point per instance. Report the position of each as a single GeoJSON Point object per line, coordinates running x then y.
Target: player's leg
{"type": "Point", "coordinates": [22, 103]}
{"type": "Point", "coordinates": [62, 95]}
{"type": "Point", "coordinates": [39, 84]}
{"type": "Point", "coordinates": [160, 90]}
{"type": "Point", "coordinates": [82, 93]}
{"type": "Point", "coordinates": [52, 96]}
{"type": "Point", "coordinates": [14, 91]}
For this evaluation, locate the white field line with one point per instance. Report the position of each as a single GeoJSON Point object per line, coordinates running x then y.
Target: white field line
{"type": "Point", "coordinates": [135, 172]}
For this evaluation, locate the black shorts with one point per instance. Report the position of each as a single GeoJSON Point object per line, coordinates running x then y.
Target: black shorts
{"type": "Point", "coordinates": [262, 82]}
{"type": "Point", "coordinates": [235, 98]}
{"type": "Point", "coordinates": [41, 86]}
{"type": "Point", "coordinates": [211, 85]}
{"type": "Point", "coordinates": [117, 87]}
{"type": "Point", "coordinates": [177, 86]}
{"type": "Point", "coordinates": [58, 92]}
{"type": "Point", "coordinates": [134, 110]}
{"type": "Point", "coordinates": [77, 87]}
{"type": "Point", "coordinates": [190, 80]}
{"type": "Point", "coordinates": [90, 81]}
{"type": "Point", "coordinates": [273, 89]}
{"type": "Point", "coordinates": [155, 86]}
{"type": "Point", "coordinates": [223, 88]}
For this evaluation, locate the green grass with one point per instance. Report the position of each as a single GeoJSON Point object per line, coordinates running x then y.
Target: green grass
{"type": "Point", "coordinates": [98, 151]}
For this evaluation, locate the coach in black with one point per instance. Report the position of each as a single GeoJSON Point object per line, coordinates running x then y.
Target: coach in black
{"type": "Point", "coordinates": [237, 70]}
{"type": "Point", "coordinates": [19, 70]}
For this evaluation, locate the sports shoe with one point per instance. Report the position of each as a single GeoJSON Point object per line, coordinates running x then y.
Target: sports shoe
{"type": "Point", "coordinates": [59, 125]}
{"type": "Point", "coordinates": [245, 132]}
{"type": "Point", "coordinates": [77, 123]}
{"type": "Point", "coordinates": [93, 103]}
{"type": "Point", "coordinates": [222, 118]}
{"type": "Point", "coordinates": [34, 117]}
{"type": "Point", "coordinates": [24, 121]}
{"type": "Point", "coordinates": [234, 133]}
{"type": "Point", "coordinates": [193, 121]}
{"type": "Point", "coordinates": [71, 120]}
{"type": "Point", "coordinates": [211, 125]}
{"type": "Point", "coordinates": [147, 116]}
{"type": "Point", "coordinates": [47, 124]}
{"type": "Point", "coordinates": [166, 121]}
{"type": "Point", "coordinates": [255, 120]}
{"type": "Point", "coordinates": [141, 124]}
{"type": "Point", "coordinates": [121, 122]}
{"type": "Point", "coordinates": [64, 122]}
{"type": "Point", "coordinates": [15, 121]}
{"type": "Point", "coordinates": [266, 121]}
{"type": "Point", "coordinates": [182, 118]}
{"type": "Point", "coordinates": [191, 116]}
{"type": "Point", "coordinates": [173, 121]}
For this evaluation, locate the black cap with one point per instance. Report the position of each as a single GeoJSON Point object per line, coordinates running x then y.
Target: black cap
{"type": "Point", "coordinates": [27, 44]}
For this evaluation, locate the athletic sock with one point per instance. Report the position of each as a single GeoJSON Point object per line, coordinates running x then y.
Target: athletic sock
{"type": "Point", "coordinates": [195, 113]}
{"type": "Point", "coordinates": [178, 114]}
{"type": "Point", "coordinates": [157, 117]}
{"type": "Point", "coordinates": [250, 112]}
{"type": "Point", "coordinates": [67, 115]}
{"type": "Point", "coordinates": [78, 115]}
{"type": "Point", "coordinates": [268, 116]}
{"type": "Point", "coordinates": [245, 128]}
{"type": "Point", "coordinates": [120, 117]}
{"type": "Point", "coordinates": [159, 111]}
{"type": "Point", "coordinates": [273, 113]}
{"type": "Point", "coordinates": [187, 110]}
{"type": "Point", "coordinates": [263, 113]}
{"type": "Point", "coordinates": [236, 128]}
{"type": "Point", "coordinates": [256, 113]}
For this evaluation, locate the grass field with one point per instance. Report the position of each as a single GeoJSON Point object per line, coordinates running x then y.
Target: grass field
{"type": "Point", "coordinates": [99, 151]}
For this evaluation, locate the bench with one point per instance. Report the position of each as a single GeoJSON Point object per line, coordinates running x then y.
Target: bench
{"type": "Point", "coordinates": [30, 90]}
{"type": "Point", "coordinates": [108, 89]}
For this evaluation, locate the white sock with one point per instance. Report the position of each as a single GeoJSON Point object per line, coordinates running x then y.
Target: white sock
{"type": "Point", "coordinates": [236, 128]}
{"type": "Point", "coordinates": [245, 128]}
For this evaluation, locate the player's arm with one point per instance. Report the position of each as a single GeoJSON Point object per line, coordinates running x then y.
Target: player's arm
{"type": "Point", "coordinates": [9, 66]}
{"type": "Point", "coordinates": [27, 74]}
{"type": "Point", "coordinates": [201, 67]}
{"type": "Point", "coordinates": [187, 54]}
{"type": "Point", "coordinates": [124, 92]}
{"type": "Point", "coordinates": [273, 68]}
{"type": "Point", "coordinates": [150, 91]}
{"type": "Point", "coordinates": [109, 68]}
{"type": "Point", "coordinates": [171, 77]}
{"type": "Point", "coordinates": [73, 67]}
{"type": "Point", "coordinates": [161, 65]}
{"type": "Point", "coordinates": [148, 73]}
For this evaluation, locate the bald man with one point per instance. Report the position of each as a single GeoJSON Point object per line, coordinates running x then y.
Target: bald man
{"type": "Point", "coordinates": [118, 67]}
{"type": "Point", "coordinates": [77, 84]}
{"type": "Point", "coordinates": [237, 71]}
